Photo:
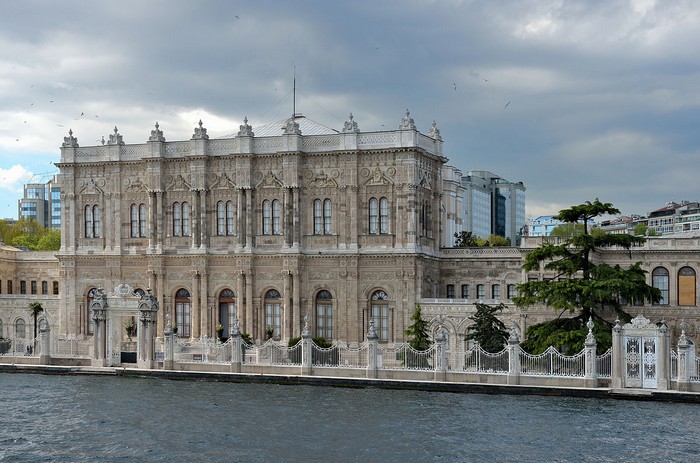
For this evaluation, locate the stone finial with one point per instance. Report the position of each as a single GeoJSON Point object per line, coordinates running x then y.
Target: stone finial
{"type": "Point", "coordinates": [245, 129]}
{"type": "Point", "coordinates": [157, 134]}
{"type": "Point", "coordinates": [103, 140]}
{"type": "Point", "coordinates": [434, 132]}
{"type": "Point", "coordinates": [235, 329]}
{"type": "Point", "coordinates": [590, 338]}
{"type": "Point", "coordinates": [514, 333]}
{"type": "Point", "coordinates": [306, 332]}
{"type": "Point", "coordinates": [292, 127]}
{"type": "Point", "coordinates": [200, 133]}
{"type": "Point", "coordinates": [351, 126]}
{"type": "Point", "coordinates": [115, 138]}
{"type": "Point", "coordinates": [407, 122]}
{"type": "Point", "coordinates": [70, 141]}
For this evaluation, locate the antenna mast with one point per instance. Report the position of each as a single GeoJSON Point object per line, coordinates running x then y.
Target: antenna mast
{"type": "Point", "coordinates": [294, 95]}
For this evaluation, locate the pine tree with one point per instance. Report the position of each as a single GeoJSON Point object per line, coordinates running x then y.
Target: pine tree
{"type": "Point", "coordinates": [418, 335]}
{"type": "Point", "coordinates": [488, 330]}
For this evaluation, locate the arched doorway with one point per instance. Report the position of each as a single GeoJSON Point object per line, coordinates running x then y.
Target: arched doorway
{"type": "Point", "coordinates": [227, 311]}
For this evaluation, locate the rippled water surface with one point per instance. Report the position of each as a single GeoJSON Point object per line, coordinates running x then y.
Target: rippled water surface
{"type": "Point", "coordinates": [110, 419]}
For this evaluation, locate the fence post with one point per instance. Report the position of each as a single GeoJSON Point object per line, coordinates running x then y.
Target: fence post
{"type": "Point", "coordinates": [683, 381]}
{"type": "Point", "coordinates": [306, 363]}
{"type": "Point", "coordinates": [618, 356]}
{"type": "Point", "coordinates": [441, 354]}
{"type": "Point", "coordinates": [45, 344]}
{"type": "Point", "coordinates": [372, 338]}
{"type": "Point", "coordinates": [513, 356]}
{"type": "Point", "coordinates": [590, 375]}
{"type": "Point", "coordinates": [664, 357]}
{"type": "Point", "coordinates": [169, 354]}
{"type": "Point", "coordinates": [236, 348]}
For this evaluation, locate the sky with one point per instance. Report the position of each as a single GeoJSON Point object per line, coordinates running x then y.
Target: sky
{"type": "Point", "coordinates": [577, 99]}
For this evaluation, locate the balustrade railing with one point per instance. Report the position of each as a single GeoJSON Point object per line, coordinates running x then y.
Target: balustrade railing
{"type": "Point", "coordinates": [552, 363]}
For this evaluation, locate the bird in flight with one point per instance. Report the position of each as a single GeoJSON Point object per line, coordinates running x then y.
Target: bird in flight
{"type": "Point", "coordinates": [455, 85]}
{"type": "Point", "coordinates": [506, 105]}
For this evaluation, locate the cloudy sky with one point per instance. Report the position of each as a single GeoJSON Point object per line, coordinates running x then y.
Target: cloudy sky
{"type": "Point", "coordinates": [576, 99]}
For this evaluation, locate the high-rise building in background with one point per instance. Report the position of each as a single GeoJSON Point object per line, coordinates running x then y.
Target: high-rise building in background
{"type": "Point", "coordinates": [493, 205]}
{"type": "Point", "coordinates": [42, 202]}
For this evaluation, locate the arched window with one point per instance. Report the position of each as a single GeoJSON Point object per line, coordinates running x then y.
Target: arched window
{"type": "Point", "coordinates": [512, 291]}
{"type": "Point", "coordinates": [273, 312]}
{"type": "Point", "coordinates": [373, 216]}
{"type": "Point", "coordinates": [496, 291]}
{"type": "Point", "coordinates": [92, 221]}
{"type": "Point", "coordinates": [267, 218]}
{"type": "Point", "coordinates": [227, 310]}
{"type": "Point", "coordinates": [185, 219]}
{"type": "Point", "coordinates": [686, 286]}
{"type": "Point", "coordinates": [20, 328]}
{"type": "Point", "coordinates": [224, 218]}
{"type": "Point", "coordinates": [138, 220]}
{"type": "Point", "coordinates": [480, 292]}
{"type": "Point", "coordinates": [322, 217]}
{"type": "Point", "coordinates": [324, 314]}
{"type": "Point", "coordinates": [465, 291]}
{"type": "Point", "coordinates": [177, 219]}
{"type": "Point", "coordinates": [383, 216]}
{"type": "Point", "coordinates": [379, 312]}
{"type": "Point", "coordinates": [276, 225]}
{"type": "Point", "coordinates": [183, 308]}
{"type": "Point", "coordinates": [659, 279]}
{"type": "Point", "coordinates": [89, 322]}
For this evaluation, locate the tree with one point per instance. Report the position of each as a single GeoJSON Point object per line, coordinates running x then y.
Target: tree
{"type": "Point", "coordinates": [580, 284]}
{"type": "Point", "coordinates": [36, 308]}
{"type": "Point", "coordinates": [417, 332]}
{"type": "Point", "coordinates": [488, 330]}
{"type": "Point", "coordinates": [494, 241]}
{"type": "Point", "coordinates": [641, 229]}
{"type": "Point", "coordinates": [465, 239]}
{"type": "Point", "coordinates": [30, 234]}
{"type": "Point", "coordinates": [567, 229]}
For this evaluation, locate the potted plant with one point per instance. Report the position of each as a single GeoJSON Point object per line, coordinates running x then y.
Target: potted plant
{"type": "Point", "coordinates": [220, 331]}
{"type": "Point", "coordinates": [269, 331]}
{"type": "Point", "coordinates": [173, 325]}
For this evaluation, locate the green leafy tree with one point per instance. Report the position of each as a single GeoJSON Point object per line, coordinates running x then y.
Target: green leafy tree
{"type": "Point", "coordinates": [488, 330]}
{"type": "Point", "coordinates": [494, 241]}
{"type": "Point", "coordinates": [581, 285]}
{"type": "Point", "coordinates": [30, 234]}
{"type": "Point", "coordinates": [465, 239]}
{"type": "Point", "coordinates": [641, 229]}
{"type": "Point", "coordinates": [567, 229]}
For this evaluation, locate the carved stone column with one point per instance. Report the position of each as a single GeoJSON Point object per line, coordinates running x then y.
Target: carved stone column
{"type": "Point", "coordinates": [159, 221]}
{"type": "Point", "coordinates": [194, 315]}
{"type": "Point", "coordinates": [249, 301]}
{"type": "Point", "coordinates": [203, 320]}
{"type": "Point", "coordinates": [194, 222]}
{"type": "Point", "coordinates": [296, 313]}
{"type": "Point", "coordinates": [240, 220]}
{"type": "Point", "coordinates": [204, 230]}
{"type": "Point", "coordinates": [249, 222]}
{"type": "Point", "coordinates": [151, 221]}
{"type": "Point", "coordinates": [240, 309]}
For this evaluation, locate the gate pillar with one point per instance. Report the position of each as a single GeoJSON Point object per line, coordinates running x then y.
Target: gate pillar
{"type": "Point", "coordinates": [641, 354]}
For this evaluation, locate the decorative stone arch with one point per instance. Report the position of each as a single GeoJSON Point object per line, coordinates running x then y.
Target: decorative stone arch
{"type": "Point", "coordinates": [108, 311]}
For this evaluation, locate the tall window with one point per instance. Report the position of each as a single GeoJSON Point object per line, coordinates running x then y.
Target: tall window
{"type": "Point", "coordinates": [659, 279]}
{"type": "Point", "coordinates": [378, 216]}
{"type": "Point", "coordinates": [20, 328]}
{"type": "Point", "coordinates": [181, 219]}
{"type": "Point", "coordinates": [465, 291]}
{"type": "Point", "coordinates": [33, 287]}
{"type": "Point", "coordinates": [686, 286]}
{"type": "Point", "coordinates": [322, 217]}
{"type": "Point", "coordinates": [22, 287]}
{"type": "Point", "coordinates": [450, 291]}
{"type": "Point", "coordinates": [89, 322]}
{"type": "Point", "coordinates": [93, 219]}
{"type": "Point", "coordinates": [9, 286]}
{"type": "Point", "coordinates": [138, 220]}
{"type": "Point", "coordinates": [273, 312]}
{"type": "Point", "coordinates": [224, 218]}
{"type": "Point", "coordinates": [183, 316]}
{"type": "Point", "coordinates": [495, 291]}
{"type": "Point", "coordinates": [512, 291]}
{"type": "Point", "coordinates": [227, 310]}
{"type": "Point", "coordinates": [271, 217]}
{"type": "Point", "coordinates": [324, 314]}
{"type": "Point", "coordinates": [55, 288]}
{"type": "Point", "coordinates": [480, 292]}
{"type": "Point", "coordinates": [44, 287]}
{"type": "Point", "coordinates": [379, 312]}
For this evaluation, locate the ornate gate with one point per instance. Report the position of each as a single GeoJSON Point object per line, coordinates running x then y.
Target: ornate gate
{"type": "Point", "coordinates": [641, 354]}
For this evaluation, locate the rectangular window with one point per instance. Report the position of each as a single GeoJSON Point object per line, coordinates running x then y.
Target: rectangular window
{"type": "Point", "coordinates": [480, 291]}
{"type": "Point", "coordinates": [44, 287]}
{"type": "Point", "coordinates": [324, 320]}
{"type": "Point", "coordinates": [33, 287]}
{"type": "Point", "coordinates": [465, 291]}
{"type": "Point", "coordinates": [380, 314]}
{"type": "Point", "coordinates": [273, 318]}
{"type": "Point", "coordinates": [55, 288]}
{"type": "Point", "coordinates": [9, 286]}
{"type": "Point", "coordinates": [450, 291]}
{"type": "Point", "coordinates": [23, 287]}
{"type": "Point", "coordinates": [182, 315]}
{"type": "Point", "coordinates": [512, 291]}
{"type": "Point", "coordinates": [495, 292]}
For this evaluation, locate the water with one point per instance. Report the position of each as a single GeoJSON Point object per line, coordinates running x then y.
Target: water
{"type": "Point", "coordinates": [111, 419]}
